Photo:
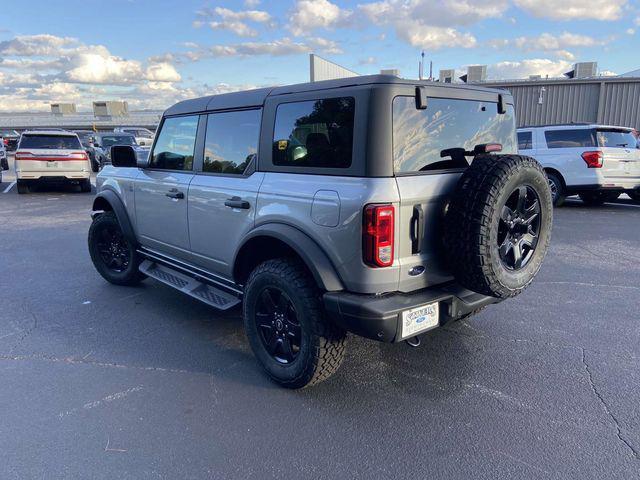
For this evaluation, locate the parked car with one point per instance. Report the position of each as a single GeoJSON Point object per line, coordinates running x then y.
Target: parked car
{"type": "Point", "coordinates": [144, 136]}
{"type": "Point", "coordinates": [596, 162]}
{"type": "Point", "coordinates": [10, 139]}
{"type": "Point", "coordinates": [374, 205]}
{"type": "Point", "coordinates": [102, 143]}
{"type": "Point", "coordinates": [4, 162]}
{"type": "Point", "coordinates": [86, 138]}
{"type": "Point", "coordinates": [51, 156]}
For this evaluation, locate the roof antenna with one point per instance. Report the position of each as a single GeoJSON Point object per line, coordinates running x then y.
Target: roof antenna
{"type": "Point", "coordinates": [421, 67]}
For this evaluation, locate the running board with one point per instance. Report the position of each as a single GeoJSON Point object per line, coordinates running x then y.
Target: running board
{"type": "Point", "coordinates": [206, 293]}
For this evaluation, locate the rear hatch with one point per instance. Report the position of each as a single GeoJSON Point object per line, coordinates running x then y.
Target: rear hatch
{"type": "Point", "coordinates": [426, 175]}
{"type": "Point", "coordinates": [621, 157]}
{"type": "Point", "coordinates": [51, 154]}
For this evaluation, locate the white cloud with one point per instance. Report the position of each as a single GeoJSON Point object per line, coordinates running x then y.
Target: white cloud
{"type": "Point", "coordinates": [251, 3]}
{"type": "Point", "coordinates": [162, 72]}
{"type": "Point", "coordinates": [220, 18]}
{"type": "Point", "coordinates": [309, 15]}
{"type": "Point", "coordinates": [606, 10]}
{"type": "Point", "coordinates": [431, 24]}
{"type": "Point", "coordinates": [524, 68]}
{"type": "Point", "coordinates": [549, 42]}
{"type": "Point", "coordinates": [36, 45]}
{"type": "Point", "coordinates": [631, 31]}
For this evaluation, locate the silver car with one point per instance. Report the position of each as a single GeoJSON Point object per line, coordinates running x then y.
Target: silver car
{"type": "Point", "coordinates": [372, 205]}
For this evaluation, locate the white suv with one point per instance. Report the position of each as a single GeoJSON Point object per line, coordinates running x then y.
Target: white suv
{"type": "Point", "coordinates": [597, 162]}
{"type": "Point", "coordinates": [51, 155]}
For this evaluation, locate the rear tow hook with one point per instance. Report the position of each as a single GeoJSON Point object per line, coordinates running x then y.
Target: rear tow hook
{"type": "Point", "coordinates": [413, 341]}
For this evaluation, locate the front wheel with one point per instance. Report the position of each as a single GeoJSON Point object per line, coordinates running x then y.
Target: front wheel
{"type": "Point", "coordinates": [113, 255]}
{"type": "Point", "coordinates": [285, 324]}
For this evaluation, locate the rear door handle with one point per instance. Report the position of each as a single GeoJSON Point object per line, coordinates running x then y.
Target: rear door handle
{"type": "Point", "coordinates": [175, 193]}
{"type": "Point", "coordinates": [237, 202]}
{"type": "Point", "coordinates": [417, 229]}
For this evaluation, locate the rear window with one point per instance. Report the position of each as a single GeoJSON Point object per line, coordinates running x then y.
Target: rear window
{"type": "Point", "coordinates": [574, 138]}
{"type": "Point", "coordinates": [616, 138]}
{"type": "Point", "coordinates": [314, 133]}
{"type": "Point", "coordinates": [51, 142]}
{"type": "Point", "coordinates": [421, 137]}
{"type": "Point", "coordinates": [525, 141]}
{"type": "Point", "coordinates": [111, 140]}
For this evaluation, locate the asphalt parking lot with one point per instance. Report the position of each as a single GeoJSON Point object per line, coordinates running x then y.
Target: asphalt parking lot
{"type": "Point", "coordinates": [100, 381]}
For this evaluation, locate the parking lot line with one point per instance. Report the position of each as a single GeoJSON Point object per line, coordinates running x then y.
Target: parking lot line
{"type": "Point", "coordinates": [8, 189]}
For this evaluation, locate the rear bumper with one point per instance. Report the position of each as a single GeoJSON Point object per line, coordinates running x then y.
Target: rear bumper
{"type": "Point", "coordinates": [620, 186]}
{"type": "Point", "coordinates": [52, 176]}
{"type": "Point", "coordinates": [379, 316]}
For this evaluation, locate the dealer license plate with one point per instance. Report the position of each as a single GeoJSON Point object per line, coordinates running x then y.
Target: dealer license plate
{"type": "Point", "coordinates": [420, 319]}
{"type": "Point", "coordinates": [52, 164]}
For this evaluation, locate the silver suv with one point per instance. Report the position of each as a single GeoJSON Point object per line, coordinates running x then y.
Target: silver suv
{"type": "Point", "coordinates": [370, 205]}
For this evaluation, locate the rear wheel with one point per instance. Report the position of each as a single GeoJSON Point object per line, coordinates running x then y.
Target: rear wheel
{"type": "Point", "coordinates": [85, 185]}
{"type": "Point", "coordinates": [498, 225]}
{"type": "Point", "coordinates": [22, 187]}
{"type": "Point", "coordinates": [113, 255]}
{"type": "Point", "coordinates": [557, 189]}
{"type": "Point", "coordinates": [598, 198]}
{"type": "Point", "coordinates": [285, 324]}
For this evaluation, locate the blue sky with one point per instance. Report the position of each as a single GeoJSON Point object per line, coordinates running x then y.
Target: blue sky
{"type": "Point", "coordinates": [153, 53]}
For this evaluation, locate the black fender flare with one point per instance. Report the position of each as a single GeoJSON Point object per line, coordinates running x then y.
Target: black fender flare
{"type": "Point", "coordinates": [323, 271]}
{"type": "Point", "coordinates": [120, 211]}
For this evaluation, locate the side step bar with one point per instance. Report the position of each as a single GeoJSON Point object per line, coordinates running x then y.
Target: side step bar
{"type": "Point", "coordinates": [206, 293]}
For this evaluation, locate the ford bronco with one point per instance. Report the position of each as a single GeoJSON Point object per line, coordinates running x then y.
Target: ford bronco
{"type": "Point", "coordinates": [373, 205]}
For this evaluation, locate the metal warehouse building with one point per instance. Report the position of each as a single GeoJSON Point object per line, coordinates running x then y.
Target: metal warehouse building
{"type": "Point", "coordinates": [604, 100]}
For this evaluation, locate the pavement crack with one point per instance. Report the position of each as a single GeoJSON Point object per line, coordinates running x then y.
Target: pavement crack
{"type": "Point", "coordinates": [605, 407]}
{"type": "Point", "coordinates": [25, 333]}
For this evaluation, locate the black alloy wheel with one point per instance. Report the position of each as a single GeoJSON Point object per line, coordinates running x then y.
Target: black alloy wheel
{"type": "Point", "coordinates": [113, 249]}
{"type": "Point", "coordinates": [277, 324]}
{"type": "Point", "coordinates": [519, 228]}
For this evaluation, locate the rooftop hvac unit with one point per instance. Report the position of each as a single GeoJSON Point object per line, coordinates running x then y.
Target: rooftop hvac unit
{"type": "Point", "coordinates": [447, 76]}
{"type": "Point", "coordinates": [63, 108]}
{"type": "Point", "coordinates": [583, 70]}
{"type": "Point", "coordinates": [475, 74]}
{"type": "Point", "coordinates": [391, 71]}
{"type": "Point", "coordinates": [110, 109]}
{"type": "Point", "coordinates": [535, 77]}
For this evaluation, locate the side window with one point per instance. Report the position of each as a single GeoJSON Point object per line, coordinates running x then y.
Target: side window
{"type": "Point", "coordinates": [577, 138]}
{"type": "Point", "coordinates": [525, 141]}
{"type": "Point", "coordinates": [314, 133]}
{"type": "Point", "coordinates": [231, 141]}
{"type": "Point", "coordinates": [175, 145]}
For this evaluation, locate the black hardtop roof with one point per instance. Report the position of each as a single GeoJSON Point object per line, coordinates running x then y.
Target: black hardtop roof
{"type": "Point", "coordinates": [254, 98]}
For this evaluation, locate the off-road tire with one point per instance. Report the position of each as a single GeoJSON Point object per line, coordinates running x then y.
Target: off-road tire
{"type": "Point", "coordinates": [472, 221]}
{"type": "Point", "coordinates": [22, 187]}
{"type": "Point", "coordinates": [132, 275]}
{"type": "Point", "coordinates": [559, 197]}
{"type": "Point", "coordinates": [323, 343]}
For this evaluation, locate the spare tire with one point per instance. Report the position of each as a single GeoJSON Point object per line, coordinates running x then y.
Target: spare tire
{"type": "Point", "coordinates": [498, 224]}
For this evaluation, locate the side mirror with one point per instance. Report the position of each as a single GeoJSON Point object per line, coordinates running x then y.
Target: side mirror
{"type": "Point", "coordinates": [421, 98]}
{"type": "Point", "coordinates": [123, 156]}
{"type": "Point", "coordinates": [143, 158]}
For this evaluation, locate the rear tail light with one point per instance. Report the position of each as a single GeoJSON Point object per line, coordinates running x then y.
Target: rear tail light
{"type": "Point", "coordinates": [377, 235]}
{"type": "Point", "coordinates": [593, 159]}
{"type": "Point", "coordinates": [78, 156]}
{"type": "Point", "coordinates": [6, 141]}
{"type": "Point", "coordinates": [24, 156]}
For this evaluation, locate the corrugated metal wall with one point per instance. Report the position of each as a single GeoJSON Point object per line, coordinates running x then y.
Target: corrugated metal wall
{"type": "Point", "coordinates": [613, 101]}
{"type": "Point", "coordinates": [621, 104]}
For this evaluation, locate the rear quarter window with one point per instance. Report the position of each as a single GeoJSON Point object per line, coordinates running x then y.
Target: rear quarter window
{"type": "Point", "coordinates": [525, 140]}
{"type": "Point", "coordinates": [573, 138]}
{"type": "Point", "coordinates": [50, 142]}
{"type": "Point", "coordinates": [421, 136]}
{"type": "Point", "coordinates": [316, 133]}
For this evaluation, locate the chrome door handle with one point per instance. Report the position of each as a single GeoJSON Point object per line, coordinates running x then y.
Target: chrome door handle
{"type": "Point", "coordinates": [237, 202]}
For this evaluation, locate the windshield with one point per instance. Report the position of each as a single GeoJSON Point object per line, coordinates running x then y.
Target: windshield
{"type": "Point", "coordinates": [616, 138]}
{"type": "Point", "coordinates": [50, 142]}
{"type": "Point", "coordinates": [432, 139]}
{"type": "Point", "coordinates": [111, 140]}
